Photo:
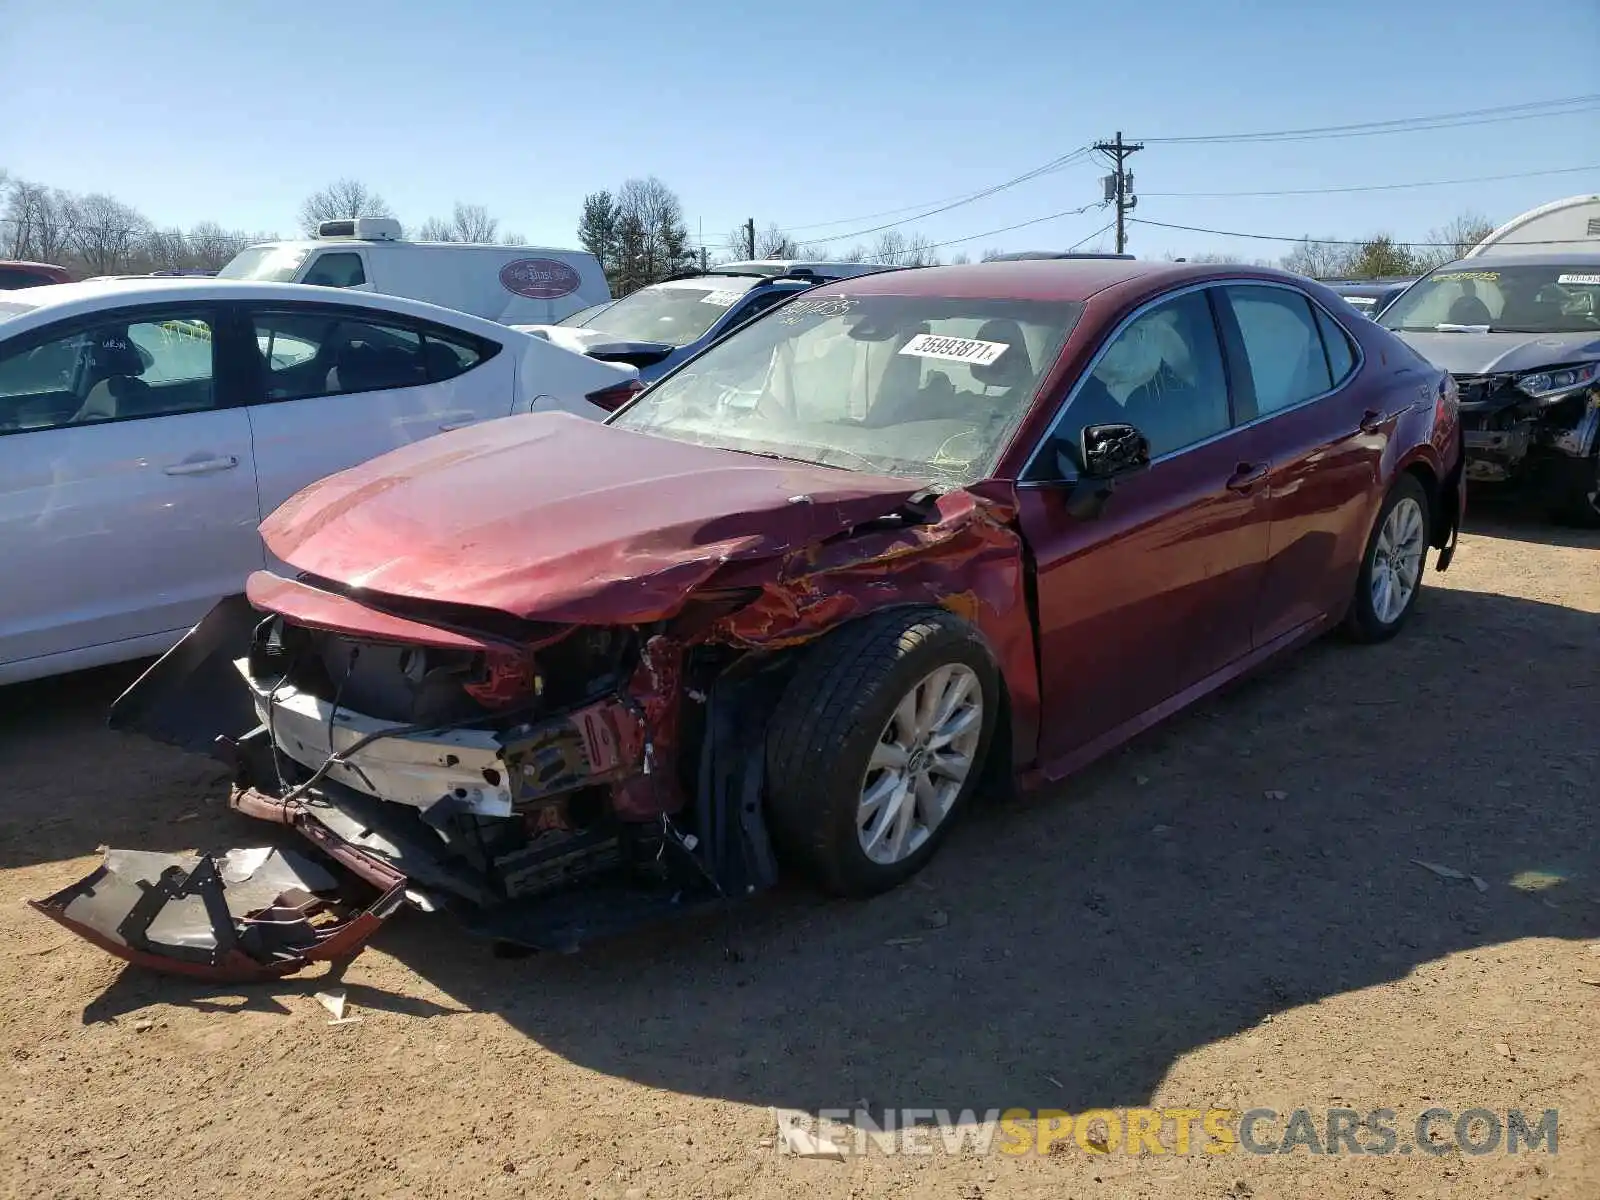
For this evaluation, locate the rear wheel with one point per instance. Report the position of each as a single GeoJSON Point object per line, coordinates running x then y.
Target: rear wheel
{"type": "Point", "coordinates": [1580, 505]}
{"type": "Point", "coordinates": [1390, 578]}
{"type": "Point", "coordinates": [877, 742]}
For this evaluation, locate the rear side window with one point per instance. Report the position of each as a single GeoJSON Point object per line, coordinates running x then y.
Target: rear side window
{"type": "Point", "coordinates": [306, 354]}
{"type": "Point", "coordinates": [1341, 357]}
{"type": "Point", "coordinates": [336, 270]}
{"type": "Point", "coordinates": [1283, 345]}
{"type": "Point", "coordinates": [331, 352]}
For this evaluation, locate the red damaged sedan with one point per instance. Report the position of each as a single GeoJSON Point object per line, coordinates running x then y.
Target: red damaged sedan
{"type": "Point", "coordinates": [904, 538]}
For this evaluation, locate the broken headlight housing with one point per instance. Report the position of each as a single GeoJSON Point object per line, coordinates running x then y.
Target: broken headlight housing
{"type": "Point", "coordinates": [1555, 383]}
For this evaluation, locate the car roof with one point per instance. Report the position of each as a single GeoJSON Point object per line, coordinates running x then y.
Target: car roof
{"type": "Point", "coordinates": [1486, 262]}
{"type": "Point", "coordinates": [1044, 279]}
{"type": "Point", "coordinates": [56, 301]}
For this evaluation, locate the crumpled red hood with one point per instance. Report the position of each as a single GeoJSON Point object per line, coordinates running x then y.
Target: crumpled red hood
{"type": "Point", "coordinates": [553, 517]}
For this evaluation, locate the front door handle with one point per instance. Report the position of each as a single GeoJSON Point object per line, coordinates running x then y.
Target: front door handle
{"type": "Point", "coordinates": [1247, 475]}
{"type": "Point", "coordinates": [204, 466]}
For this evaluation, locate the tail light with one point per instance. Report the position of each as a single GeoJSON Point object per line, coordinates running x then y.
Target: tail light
{"type": "Point", "coordinates": [1447, 406]}
{"type": "Point", "coordinates": [614, 397]}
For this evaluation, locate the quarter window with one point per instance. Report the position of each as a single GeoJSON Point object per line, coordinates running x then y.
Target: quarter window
{"type": "Point", "coordinates": [1163, 374]}
{"type": "Point", "coordinates": [337, 270]}
{"type": "Point", "coordinates": [1341, 358]}
{"type": "Point", "coordinates": [113, 370]}
{"type": "Point", "coordinates": [1282, 344]}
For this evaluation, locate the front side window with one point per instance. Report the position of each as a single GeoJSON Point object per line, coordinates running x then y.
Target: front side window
{"type": "Point", "coordinates": [1162, 374]}
{"type": "Point", "coordinates": [927, 387]}
{"type": "Point", "coordinates": [336, 270]}
{"type": "Point", "coordinates": [1282, 344]}
{"type": "Point", "coordinates": [674, 313]}
{"type": "Point", "coordinates": [113, 370]}
{"type": "Point", "coordinates": [1558, 298]}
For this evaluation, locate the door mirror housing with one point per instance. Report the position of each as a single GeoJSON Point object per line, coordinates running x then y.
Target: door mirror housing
{"type": "Point", "coordinates": [1107, 451]}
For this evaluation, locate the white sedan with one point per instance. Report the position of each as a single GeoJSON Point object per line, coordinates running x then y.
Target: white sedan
{"type": "Point", "coordinates": [147, 426]}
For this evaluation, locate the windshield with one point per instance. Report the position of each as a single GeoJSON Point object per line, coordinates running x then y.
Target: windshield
{"type": "Point", "coordinates": [673, 313]}
{"type": "Point", "coordinates": [275, 264]}
{"type": "Point", "coordinates": [11, 308]}
{"type": "Point", "coordinates": [1510, 299]}
{"type": "Point", "coordinates": [920, 386]}
{"type": "Point", "coordinates": [584, 315]}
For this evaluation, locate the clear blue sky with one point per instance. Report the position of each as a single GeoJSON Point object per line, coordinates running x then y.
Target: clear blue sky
{"type": "Point", "coordinates": [796, 113]}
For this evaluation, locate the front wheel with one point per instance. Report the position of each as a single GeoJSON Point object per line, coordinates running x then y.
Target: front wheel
{"type": "Point", "coordinates": [878, 741]}
{"type": "Point", "coordinates": [1390, 578]}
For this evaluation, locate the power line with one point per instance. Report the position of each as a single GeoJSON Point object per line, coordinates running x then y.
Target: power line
{"type": "Point", "coordinates": [1476, 116]}
{"type": "Point", "coordinates": [1384, 187]}
{"type": "Point", "coordinates": [1266, 237]}
{"type": "Point", "coordinates": [972, 237]}
{"type": "Point", "coordinates": [1052, 165]}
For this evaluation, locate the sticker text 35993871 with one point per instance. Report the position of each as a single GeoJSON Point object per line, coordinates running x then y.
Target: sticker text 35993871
{"type": "Point", "coordinates": [954, 349]}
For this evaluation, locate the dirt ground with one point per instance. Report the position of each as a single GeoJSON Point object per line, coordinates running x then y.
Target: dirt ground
{"type": "Point", "coordinates": [1224, 914]}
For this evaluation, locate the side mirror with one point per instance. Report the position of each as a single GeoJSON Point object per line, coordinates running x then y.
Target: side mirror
{"type": "Point", "coordinates": [1107, 451]}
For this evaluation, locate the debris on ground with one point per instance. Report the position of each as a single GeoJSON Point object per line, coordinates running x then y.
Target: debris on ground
{"type": "Point", "coordinates": [937, 919]}
{"type": "Point", "coordinates": [1275, 794]}
{"type": "Point", "coordinates": [1444, 872]}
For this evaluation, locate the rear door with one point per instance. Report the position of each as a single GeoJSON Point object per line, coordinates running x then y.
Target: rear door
{"type": "Point", "coordinates": [1326, 440]}
{"type": "Point", "coordinates": [1157, 591]}
{"type": "Point", "coordinates": [127, 495]}
{"type": "Point", "coordinates": [335, 386]}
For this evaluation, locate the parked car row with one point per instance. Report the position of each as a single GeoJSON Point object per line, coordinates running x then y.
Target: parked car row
{"type": "Point", "coordinates": [147, 426]}
{"type": "Point", "coordinates": [902, 536]}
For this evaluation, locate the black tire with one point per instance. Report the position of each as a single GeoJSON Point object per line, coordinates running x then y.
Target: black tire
{"type": "Point", "coordinates": [833, 713]}
{"type": "Point", "coordinates": [1362, 623]}
{"type": "Point", "coordinates": [1580, 501]}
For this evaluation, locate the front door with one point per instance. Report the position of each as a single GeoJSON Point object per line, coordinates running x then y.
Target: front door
{"type": "Point", "coordinates": [1156, 591]}
{"type": "Point", "coordinates": [127, 492]}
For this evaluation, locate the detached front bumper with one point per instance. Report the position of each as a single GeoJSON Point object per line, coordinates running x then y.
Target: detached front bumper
{"type": "Point", "coordinates": [523, 831]}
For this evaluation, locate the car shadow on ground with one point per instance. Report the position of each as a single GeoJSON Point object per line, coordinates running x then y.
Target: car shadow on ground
{"type": "Point", "coordinates": [1253, 855]}
{"type": "Point", "coordinates": [1515, 518]}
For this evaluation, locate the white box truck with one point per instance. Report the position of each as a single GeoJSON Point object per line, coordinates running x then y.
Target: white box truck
{"type": "Point", "coordinates": [525, 285]}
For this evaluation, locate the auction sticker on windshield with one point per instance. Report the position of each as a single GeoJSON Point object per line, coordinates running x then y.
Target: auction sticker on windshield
{"type": "Point", "coordinates": [1587, 279]}
{"type": "Point", "coordinates": [720, 299]}
{"type": "Point", "coordinates": [954, 349]}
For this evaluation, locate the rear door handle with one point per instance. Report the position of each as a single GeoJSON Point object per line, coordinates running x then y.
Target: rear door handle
{"type": "Point", "coordinates": [447, 426]}
{"type": "Point", "coordinates": [1372, 420]}
{"type": "Point", "coordinates": [1247, 475]}
{"type": "Point", "coordinates": [204, 466]}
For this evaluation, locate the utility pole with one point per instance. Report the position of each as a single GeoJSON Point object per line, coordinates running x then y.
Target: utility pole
{"type": "Point", "coordinates": [1119, 186]}
{"type": "Point", "coordinates": [750, 237]}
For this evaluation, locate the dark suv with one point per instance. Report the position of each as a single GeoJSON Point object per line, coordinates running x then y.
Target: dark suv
{"type": "Point", "coordinates": [1521, 336]}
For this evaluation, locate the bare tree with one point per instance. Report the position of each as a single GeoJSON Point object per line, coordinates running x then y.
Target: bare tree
{"type": "Point", "coordinates": [467, 223]}
{"type": "Point", "coordinates": [1318, 259]}
{"type": "Point", "coordinates": [514, 239]}
{"type": "Point", "coordinates": [921, 252]}
{"type": "Point", "coordinates": [107, 233]}
{"type": "Point", "coordinates": [165, 249]}
{"type": "Point", "coordinates": [38, 222]}
{"type": "Point", "coordinates": [651, 237]}
{"type": "Point", "coordinates": [211, 246]}
{"type": "Point", "coordinates": [773, 242]}
{"type": "Point", "coordinates": [960, 260]}
{"type": "Point", "coordinates": [992, 253]}
{"type": "Point", "coordinates": [341, 200]}
{"type": "Point", "coordinates": [738, 247]}
{"type": "Point", "coordinates": [1453, 240]}
{"type": "Point", "coordinates": [889, 249]}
